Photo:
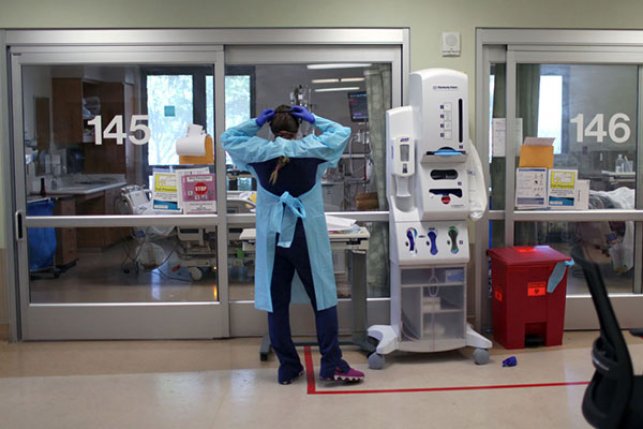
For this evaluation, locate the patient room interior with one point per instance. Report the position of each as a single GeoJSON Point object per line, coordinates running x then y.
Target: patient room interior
{"type": "Point", "coordinates": [164, 263]}
{"type": "Point", "coordinates": [83, 179]}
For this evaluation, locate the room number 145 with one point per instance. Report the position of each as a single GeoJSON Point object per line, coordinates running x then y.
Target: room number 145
{"type": "Point", "coordinates": [617, 128]}
{"type": "Point", "coordinates": [114, 130]}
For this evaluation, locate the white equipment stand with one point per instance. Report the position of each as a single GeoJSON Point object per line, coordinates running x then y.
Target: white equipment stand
{"type": "Point", "coordinates": [434, 183]}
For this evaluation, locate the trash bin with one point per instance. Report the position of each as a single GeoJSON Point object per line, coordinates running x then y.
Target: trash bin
{"type": "Point", "coordinates": [41, 242]}
{"type": "Point", "coordinates": [529, 285]}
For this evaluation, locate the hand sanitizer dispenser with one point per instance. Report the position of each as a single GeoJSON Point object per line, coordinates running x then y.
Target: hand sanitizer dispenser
{"type": "Point", "coordinates": [403, 164]}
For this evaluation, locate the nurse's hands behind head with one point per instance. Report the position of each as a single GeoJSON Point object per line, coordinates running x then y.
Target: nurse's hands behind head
{"type": "Point", "coordinates": [266, 115]}
{"type": "Point", "coordinates": [300, 112]}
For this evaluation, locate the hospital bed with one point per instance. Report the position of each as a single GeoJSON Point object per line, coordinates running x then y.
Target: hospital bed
{"type": "Point", "coordinates": [614, 239]}
{"type": "Point", "coordinates": [195, 248]}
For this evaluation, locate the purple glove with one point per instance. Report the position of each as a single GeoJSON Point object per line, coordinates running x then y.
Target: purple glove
{"type": "Point", "coordinates": [300, 112]}
{"type": "Point", "coordinates": [510, 361]}
{"type": "Point", "coordinates": [265, 116]}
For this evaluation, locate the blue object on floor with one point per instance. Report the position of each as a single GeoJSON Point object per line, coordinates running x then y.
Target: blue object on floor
{"type": "Point", "coordinates": [510, 361]}
{"type": "Point", "coordinates": [41, 242]}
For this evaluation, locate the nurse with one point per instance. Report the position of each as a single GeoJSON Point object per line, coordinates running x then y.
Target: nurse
{"type": "Point", "coordinates": [291, 230]}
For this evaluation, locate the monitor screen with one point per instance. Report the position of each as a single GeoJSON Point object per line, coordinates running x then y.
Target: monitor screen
{"type": "Point", "coordinates": [358, 106]}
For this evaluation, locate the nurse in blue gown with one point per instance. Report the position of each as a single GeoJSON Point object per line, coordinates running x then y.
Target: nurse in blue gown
{"type": "Point", "coordinates": [292, 237]}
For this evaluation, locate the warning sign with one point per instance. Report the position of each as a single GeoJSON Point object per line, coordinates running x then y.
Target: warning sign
{"type": "Point", "coordinates": [537, 289]}
{"type": "Point", "coordinates": [199, 193]}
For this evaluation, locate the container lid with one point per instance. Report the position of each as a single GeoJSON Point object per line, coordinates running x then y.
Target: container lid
{"type": "Point", "coordinates": [527, 255]}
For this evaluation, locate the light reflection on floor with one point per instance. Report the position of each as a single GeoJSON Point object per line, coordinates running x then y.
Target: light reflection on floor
{"type": "Point", "coordinates": [107, 276]}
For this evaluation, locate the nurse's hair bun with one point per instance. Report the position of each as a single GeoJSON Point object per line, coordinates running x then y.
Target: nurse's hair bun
{"type": "Point", "coordinates": [283, 121]}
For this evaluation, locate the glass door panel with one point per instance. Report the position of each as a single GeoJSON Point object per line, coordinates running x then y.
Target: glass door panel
{"type": "Point", "coordinates": [345, 94]}
{"type": "Point", "coordinates": [563, 235]}
{"type": "Point", "coordinates": [338, 94]}
{"type": "Point", "coordinates": [142, 269]}
{"type": "Point", "coordinates": [118, 160]}
{"type": "Point", "coordinates": [353, 85]}
{"type": "Point", "coordinates": [497, 165]}
{"type": "Point", "coordinates": [170, 106]}
{"type": "Point", "coordinates": [591, 112]}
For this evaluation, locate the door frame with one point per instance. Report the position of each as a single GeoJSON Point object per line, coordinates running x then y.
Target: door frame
{"type": "Point", "coordinates": [513, 46]}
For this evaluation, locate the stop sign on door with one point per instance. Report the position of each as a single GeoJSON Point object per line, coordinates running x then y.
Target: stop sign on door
{"type": "Point", "coordinates": [200, 188]}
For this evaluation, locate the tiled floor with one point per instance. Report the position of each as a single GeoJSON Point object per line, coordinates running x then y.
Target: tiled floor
{"type": "Point", "coordinates": [223, 384]}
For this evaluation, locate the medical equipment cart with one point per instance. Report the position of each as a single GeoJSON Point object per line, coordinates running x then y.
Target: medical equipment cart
{"type": "Point", "coordinates": [434, 184]}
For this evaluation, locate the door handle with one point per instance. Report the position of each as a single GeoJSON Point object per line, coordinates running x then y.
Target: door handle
{"type": "Point", "coordinates": [19, 224]}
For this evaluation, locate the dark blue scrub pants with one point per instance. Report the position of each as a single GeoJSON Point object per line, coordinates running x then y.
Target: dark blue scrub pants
{"type": "Point", "coordinates": [287, 260]}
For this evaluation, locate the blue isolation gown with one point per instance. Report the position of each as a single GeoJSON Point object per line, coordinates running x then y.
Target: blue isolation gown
{"type": "Point", "coordinates": [279, 213]}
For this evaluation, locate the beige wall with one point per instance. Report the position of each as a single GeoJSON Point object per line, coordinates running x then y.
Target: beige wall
{"type": "Point", "coordinates": [425, 18]}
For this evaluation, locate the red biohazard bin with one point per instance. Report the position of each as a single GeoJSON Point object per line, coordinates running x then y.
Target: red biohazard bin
{"type": "Point", "coordinates": [523, 310]}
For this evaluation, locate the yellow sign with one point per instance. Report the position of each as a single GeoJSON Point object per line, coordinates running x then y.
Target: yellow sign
{"type": "Point", "coordinates": [562, 179]}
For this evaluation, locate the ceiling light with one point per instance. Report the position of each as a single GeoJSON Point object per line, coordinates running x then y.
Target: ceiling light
{"type": "Point", "coordinates": [344, 88]}
{"type": "Point", "coordinates": [352, 79]}
{"type": "Point", "coordinates": [336, 66]}
{"type": "Point", "coordinates": [329, 80]}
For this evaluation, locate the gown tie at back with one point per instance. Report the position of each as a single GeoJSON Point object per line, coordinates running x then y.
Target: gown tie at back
{"type": "Point", "coordinates": [284, 221]}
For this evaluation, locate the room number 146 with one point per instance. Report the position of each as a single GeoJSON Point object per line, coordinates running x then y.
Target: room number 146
{"type": "Point", "coordinates": [114, 130]}
{"type": "Point", "coordinates": [617, 128]}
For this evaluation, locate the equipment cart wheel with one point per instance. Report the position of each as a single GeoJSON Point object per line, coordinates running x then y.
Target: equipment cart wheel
{"type": "Point", "coordinates": [376, 361]}
{"type": "Point", "coordinates": [481, 356]}
{"type": "Point", "coordinates": [195, 273]}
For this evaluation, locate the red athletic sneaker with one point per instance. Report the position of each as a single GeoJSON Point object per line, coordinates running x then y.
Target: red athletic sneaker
{"type": "Point", "coordinates": [351, 375]}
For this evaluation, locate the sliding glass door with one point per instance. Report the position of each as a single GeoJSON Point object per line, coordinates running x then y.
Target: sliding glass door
{"type": "Point", "coordinates": [586, 100]}
{"type": "Point", "coordinates": [129, 214]}
{"type": "Point", "coordinates": [119, 227]}
{"type": "Point", "coordinates": [353, 86]}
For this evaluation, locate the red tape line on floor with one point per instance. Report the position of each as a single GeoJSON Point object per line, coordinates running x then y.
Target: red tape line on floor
{"type": "Point", "coordinates": [312, 386]}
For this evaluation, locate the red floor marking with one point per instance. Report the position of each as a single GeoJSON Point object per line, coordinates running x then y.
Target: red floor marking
{"type": "Point", "coordinates": [310, 370]}
{"type": "Point", "coordinates": [312, 386]}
